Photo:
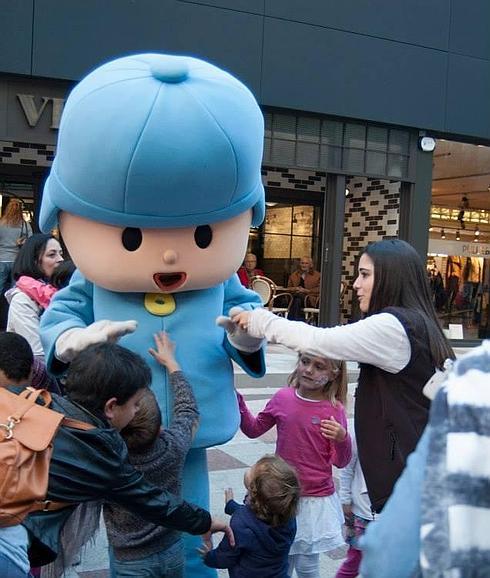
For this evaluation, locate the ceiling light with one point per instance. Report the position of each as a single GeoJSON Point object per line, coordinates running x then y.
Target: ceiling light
{"type": "Point", "coordinates": [477, 232]}
{"type": "Point", "coordinates": [443, 234]}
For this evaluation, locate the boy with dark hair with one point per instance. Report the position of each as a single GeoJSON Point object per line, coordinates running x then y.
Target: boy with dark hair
{"type": "Point", "coordinates": [16, 359]}
{"type": "Point", "coordinates": [104, 386]}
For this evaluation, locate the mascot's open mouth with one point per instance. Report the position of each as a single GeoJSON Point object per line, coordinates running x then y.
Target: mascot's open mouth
{"type": "Point", "coordinates": [168, 282]}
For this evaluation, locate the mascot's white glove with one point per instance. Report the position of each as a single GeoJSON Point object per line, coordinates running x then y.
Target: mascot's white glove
{"type": "Point", "coordinates": [77, 339]}
{"type": "Point", "coordinates": [239, 338]}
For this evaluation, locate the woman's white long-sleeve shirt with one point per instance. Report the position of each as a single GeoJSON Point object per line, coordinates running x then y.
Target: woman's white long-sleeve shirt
{"type": "Point", "coordinates": [380, 339]}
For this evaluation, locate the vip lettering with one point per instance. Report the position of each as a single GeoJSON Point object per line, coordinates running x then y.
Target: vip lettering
{"type": "Point", "coordinates": [33, 111]}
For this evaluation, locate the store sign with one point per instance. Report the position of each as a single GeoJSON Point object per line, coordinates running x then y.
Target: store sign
{"type": "Point", "coordinates": [34, 109]}
{"type": "Point", "coordinates": [461, 248]}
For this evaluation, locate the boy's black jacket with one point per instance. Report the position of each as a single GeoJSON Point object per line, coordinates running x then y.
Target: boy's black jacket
{"type": "Point", "coordinates": [92, 466]}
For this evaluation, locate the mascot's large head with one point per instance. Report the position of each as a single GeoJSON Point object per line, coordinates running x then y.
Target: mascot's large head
{"type": "Point", "coordinates": [157, 178]}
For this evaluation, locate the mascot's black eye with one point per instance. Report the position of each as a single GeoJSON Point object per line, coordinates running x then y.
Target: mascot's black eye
{"type": "Point", "coordinates": [132, 238]}
{"type": "Point", "coordinates": [203, 236]}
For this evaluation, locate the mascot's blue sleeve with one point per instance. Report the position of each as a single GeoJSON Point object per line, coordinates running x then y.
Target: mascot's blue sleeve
{"type": "Point", "coordinates": [70, 307]}
{"type": "Point", "coordinates": [236, 295]}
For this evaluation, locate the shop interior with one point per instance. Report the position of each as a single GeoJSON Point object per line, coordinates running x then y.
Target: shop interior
{"type": "Point", "coordinates": [458, 261]}
{"type": "Point", "coordinates": [291, 230]}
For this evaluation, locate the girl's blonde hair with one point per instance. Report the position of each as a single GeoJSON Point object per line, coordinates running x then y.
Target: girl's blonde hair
{"type": "Point", "coordinates": [336, 389]}
{"type": "Point", "coordinates": [13, 216]}
{"type": "Point", "coordinates": [273, 491]}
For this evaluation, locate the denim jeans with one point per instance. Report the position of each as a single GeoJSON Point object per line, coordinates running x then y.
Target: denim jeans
{"type": "Point", "coordinates": [5, 276]}
{"type": "Point", "coordinates": [165, 564]}
{"type": "Point", "coordinates": [8, 568]}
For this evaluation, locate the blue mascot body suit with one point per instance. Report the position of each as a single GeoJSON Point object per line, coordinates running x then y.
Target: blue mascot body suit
{"type": "Point", "coordinates": [155, 184]}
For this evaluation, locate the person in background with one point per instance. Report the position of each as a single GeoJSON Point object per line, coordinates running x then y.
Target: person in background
{"type": "Point", "coordinates": [302, 282]}
{"type": "Point", "coordinates": [14, 230]}
{"type": "Point", "coordinates": [399, 345]}
{"type": "Point", "coordinates": [248, 270]}
{"type": "Point", "coordinates": [37, 259]}
{"type": "Point", "coordinates": [357, 510]}
{"type": "Point", "coordinates": [140, 548]}
{"type": "Point", "coordinates": [42, 292]}
{"type": "Point", "coordinates": [264, 527]}
{"type": "Point", "coordinates": [312, 437]}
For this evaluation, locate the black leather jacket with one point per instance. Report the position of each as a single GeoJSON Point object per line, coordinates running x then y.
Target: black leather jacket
{"type": "Point", "coordinates": [93, 465]}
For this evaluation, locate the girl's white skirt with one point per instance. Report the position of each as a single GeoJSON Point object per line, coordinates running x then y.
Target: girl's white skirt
{"type": "Point", "coordinates": [319, 527]}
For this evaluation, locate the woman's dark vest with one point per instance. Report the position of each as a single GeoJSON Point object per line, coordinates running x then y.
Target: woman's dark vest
{"type": "Point", "coordinates": [391, 411]}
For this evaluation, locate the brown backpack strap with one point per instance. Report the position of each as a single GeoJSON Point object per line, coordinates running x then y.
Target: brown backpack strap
{"type": "Point", "coordinates": [27, 399]}
{"type": "Point", "coordinates": [49, 506]}
{"type": "Point", "coordinates": [76, 424]}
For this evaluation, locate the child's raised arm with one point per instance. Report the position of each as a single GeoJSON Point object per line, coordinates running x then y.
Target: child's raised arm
{"type": "Point", "coordinates": [165, 352]}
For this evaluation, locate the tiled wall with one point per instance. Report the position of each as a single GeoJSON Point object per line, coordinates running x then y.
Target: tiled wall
{"type": "Point", "coordinates": [296, 179]}
{"type": "Point", "coordinates": [371, 213]}
{"type": "Point", "coordinates": [21, 153]}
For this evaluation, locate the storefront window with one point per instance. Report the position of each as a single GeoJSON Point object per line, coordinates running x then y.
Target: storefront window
{"type": "Point", "coordinates": [288, 233]}
{"type": "Point", "coordinates": [458, 263]}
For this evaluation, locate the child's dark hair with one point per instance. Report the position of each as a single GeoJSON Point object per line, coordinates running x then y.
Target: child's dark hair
{"type": "Point", "coordinates": [274, 490]}
{"type": "Point", "coordinates": [62, 274]}
{"type": "Point", "coordinates": [336, 389]}
{"type": "Point", "coordinates": [103, 371]}
{"type": "Point", "coordinates": [143, 429]}
{"type": "Point", "coordinates": [16, 357]}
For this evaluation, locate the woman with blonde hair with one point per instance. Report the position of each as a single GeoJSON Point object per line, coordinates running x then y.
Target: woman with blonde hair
{"type": "Point", "coordinates": [13, 230]}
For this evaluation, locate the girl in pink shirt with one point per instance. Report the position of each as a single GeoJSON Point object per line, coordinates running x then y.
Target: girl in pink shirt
{"type": "Point", "coordinates": [311, 436]}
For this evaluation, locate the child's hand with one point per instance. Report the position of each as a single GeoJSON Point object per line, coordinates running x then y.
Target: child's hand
{"type": "Point", "coordinates": [331, 429]}
{"type": "Point", "coordinates": [165, 352]}
{"type": "Point", "coordinates": [228, 495]}
{"type": "Point", "coordinates": [205, 547]}
{"type": "Point", "coordinates": [217, 526]}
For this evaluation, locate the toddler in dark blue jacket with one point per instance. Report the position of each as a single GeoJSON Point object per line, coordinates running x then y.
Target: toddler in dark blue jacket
{"type": "Point", "coordinates": [264, 527]}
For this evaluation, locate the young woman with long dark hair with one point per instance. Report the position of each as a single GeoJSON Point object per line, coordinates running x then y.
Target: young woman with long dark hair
{"type": "Point", "coordinates": [37, 259]}
{"type": "Point", "coordinates": [399, 345]}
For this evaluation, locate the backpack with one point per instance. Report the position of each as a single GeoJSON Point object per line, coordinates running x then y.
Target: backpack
{"type": "Point", "coordinates": [27, 431]}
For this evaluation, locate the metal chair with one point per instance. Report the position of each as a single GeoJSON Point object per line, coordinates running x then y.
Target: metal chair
{"type": "Point", "coordinates": [266, 289]}
{"type": "Point", "coordinates": [311, 309]}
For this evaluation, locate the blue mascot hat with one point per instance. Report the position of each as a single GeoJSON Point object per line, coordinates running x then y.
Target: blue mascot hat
{"type": "Point", "coordinates": [160, 141]}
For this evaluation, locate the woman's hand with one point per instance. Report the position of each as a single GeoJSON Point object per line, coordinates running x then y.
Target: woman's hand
{"type": "Point", "coordinates": [165, 352]}
{"type": "Point", "coordinates": [331, 429]}
{"type": "Point", "coordinates": [242, 319]}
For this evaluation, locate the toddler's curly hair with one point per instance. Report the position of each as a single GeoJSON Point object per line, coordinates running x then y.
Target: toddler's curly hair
{"type": "Point", "coordinates": [274, 490]}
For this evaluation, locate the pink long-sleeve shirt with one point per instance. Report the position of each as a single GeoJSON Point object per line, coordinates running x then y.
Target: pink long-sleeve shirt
{"type": "Point", "coordinates": [299, 441]}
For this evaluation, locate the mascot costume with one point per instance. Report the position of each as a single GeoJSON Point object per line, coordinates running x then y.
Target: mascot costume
{"type": "Point", "coordinates": [154, 187]}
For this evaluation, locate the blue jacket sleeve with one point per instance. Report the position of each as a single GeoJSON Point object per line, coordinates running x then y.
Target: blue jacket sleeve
{"type": "Point", "coordinates": [70, 307]}
{"type": "Point", "coordinates": [236, 295]}
{"type": "Point", "coordinates": [225, 555]}
{"type": "Point", "coordinates": [391, 545]}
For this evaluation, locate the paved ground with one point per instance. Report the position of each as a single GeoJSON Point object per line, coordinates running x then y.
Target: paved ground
{"type": "Point", "coordinates": [227, 463]}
